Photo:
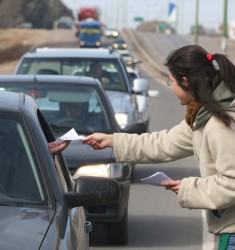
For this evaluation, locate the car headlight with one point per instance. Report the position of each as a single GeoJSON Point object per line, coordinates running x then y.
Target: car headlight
{"type": "Point", "coordinates": [122, 119]}
{"type": "Point", "coordinates": [97, 44]}
{"type": "Point", "coordinates": [98, 170]}
{"type": "Point", "coordinates": [115, 33]}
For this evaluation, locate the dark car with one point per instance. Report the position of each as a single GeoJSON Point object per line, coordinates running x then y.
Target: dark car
{"type": "Point", "coordinates": [120, 44]}
{"type": "Point", "coordinates": [81, 103]}
{"type": "Point", "coordinates": [40, 203]}
{"type": "Point", "coordinates": [115, 79]}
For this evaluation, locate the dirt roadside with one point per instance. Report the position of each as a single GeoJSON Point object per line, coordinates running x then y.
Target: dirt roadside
{"type": "Point", "coordinates": [15, 42]}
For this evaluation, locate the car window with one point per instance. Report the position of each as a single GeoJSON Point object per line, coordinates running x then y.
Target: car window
{"type": "Point", "coordinates": [65, 178]}
{"type": "Point", "coordinates": [20, 179]}
{"type": "Point", "coordinates": [112, 77]}
{"type": "Point", "coordinates": [64, 108]}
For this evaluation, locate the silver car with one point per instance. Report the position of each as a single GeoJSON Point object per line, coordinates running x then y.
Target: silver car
{"type": "Point", "coordinates": [116, 81]}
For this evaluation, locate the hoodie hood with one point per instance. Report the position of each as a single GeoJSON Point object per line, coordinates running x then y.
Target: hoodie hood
{"type": "Point", "coordinates": [222, 95]}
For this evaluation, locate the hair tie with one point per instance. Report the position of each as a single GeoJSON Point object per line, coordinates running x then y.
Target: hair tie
{"type": "Point", "coordinates": [209, 57]}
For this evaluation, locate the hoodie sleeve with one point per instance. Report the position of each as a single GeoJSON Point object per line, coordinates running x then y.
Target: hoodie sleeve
{"type": "Point", "coordinates": [154, 147]}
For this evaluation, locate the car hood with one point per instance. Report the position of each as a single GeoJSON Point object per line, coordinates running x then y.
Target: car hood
{"type": "Point", "coordinates": [22, 228]}
{"type": "Point", "coordinates": [119, 100]}
{"type": "Point", "coordinates": [78, 154]}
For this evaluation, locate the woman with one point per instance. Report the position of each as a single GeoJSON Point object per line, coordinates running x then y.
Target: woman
{"type": "Point", "coordinates": [206, 84]}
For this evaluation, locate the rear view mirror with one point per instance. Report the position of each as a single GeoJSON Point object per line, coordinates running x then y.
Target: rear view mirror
{"type": "Point", "coordinates": [92, 191]}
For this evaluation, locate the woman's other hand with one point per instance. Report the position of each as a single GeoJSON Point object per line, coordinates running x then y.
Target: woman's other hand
{"type": "Point", "coordinates": [172, 185]}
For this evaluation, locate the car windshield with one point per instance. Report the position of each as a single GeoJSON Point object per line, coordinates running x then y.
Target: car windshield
{"type": "Point", "coordinates": [66, 107]}
{"type": "Point", "coordinates": [20, 179]}
{"type": "Point", "coordinates": [108, 71]}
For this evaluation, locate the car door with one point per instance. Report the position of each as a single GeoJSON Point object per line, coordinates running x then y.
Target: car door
{"type": "Point", "coordinates": [72, 227]}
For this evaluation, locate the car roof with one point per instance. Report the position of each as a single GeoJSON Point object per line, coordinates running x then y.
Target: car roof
{"type": "Point", "coordinates": [81, 80]}
{"type": "Point", "coordinates": [73, 53]}
{"type": "Point", "coordinates": [13, 102]}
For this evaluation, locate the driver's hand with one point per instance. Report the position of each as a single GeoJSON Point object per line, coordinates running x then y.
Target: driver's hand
{"type": "Point", "coordinates": [56, 148]}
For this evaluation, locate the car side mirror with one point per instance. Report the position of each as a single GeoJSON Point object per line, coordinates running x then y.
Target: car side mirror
{"type": "Point", "coordinates": [140, 85]}
{"type": "Point", "coordinates": [93, 191]}
{"type": "Point", "coordinates": [136, 128]}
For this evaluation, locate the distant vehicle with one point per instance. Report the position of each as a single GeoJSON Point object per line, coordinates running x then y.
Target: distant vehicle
{"type": "Point", "coordinates": [119, 44]}
{"type": "Point", "coordinates": [111, 33]}
{"type": "Point", "coordinates": [128, 59]}
{"type": "Point", "coordinates": [41, 205]}
{"type": "Point", "coordinates": [64, 22]}
{"type": "Point", "coordinates": [90, 33]}
{"type": "Point", "coordinates": [25, 25]}
{"type": "Point", "coordinates": [73, 61]}
{"type": "Point", "coordinates": [88, 12]}
{"type": "Point", "coordinates": [81, 103]}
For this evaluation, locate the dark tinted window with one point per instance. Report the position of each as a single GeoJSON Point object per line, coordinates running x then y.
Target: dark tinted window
{"type": "Point", "coordinates": [20, 178]}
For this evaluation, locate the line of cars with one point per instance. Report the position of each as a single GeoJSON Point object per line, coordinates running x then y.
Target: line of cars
{"type": "Point", "coordinates": [120, 88]}
{"type": "Point", "coordinates": [60, 82]}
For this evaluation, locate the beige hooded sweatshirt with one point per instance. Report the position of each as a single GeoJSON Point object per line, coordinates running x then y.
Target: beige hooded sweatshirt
{"type": "Point", "coordinates": [212, 143]}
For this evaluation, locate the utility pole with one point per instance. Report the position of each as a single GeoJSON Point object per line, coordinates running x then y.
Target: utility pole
{"type": "Point", "coordinates": [225, 31]}
{"type": "Point", "coordinates": [196, 28]}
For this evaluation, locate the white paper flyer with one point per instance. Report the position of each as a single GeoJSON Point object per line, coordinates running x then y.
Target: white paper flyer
{"type": "Point", "coordinates": [156, 179]}
{"type": "Point", "coordinates": [71, 135]}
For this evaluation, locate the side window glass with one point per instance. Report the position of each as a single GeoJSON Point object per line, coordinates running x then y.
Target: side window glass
{"type": "Point", "coordinates": [20, 180]}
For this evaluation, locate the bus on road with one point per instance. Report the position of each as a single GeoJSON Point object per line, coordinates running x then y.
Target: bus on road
{"type": "Point", "coordinates": [90, 33]}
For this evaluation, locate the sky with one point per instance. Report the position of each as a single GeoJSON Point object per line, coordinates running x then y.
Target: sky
{"type": "Point", "coordinates": [122, 13]}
